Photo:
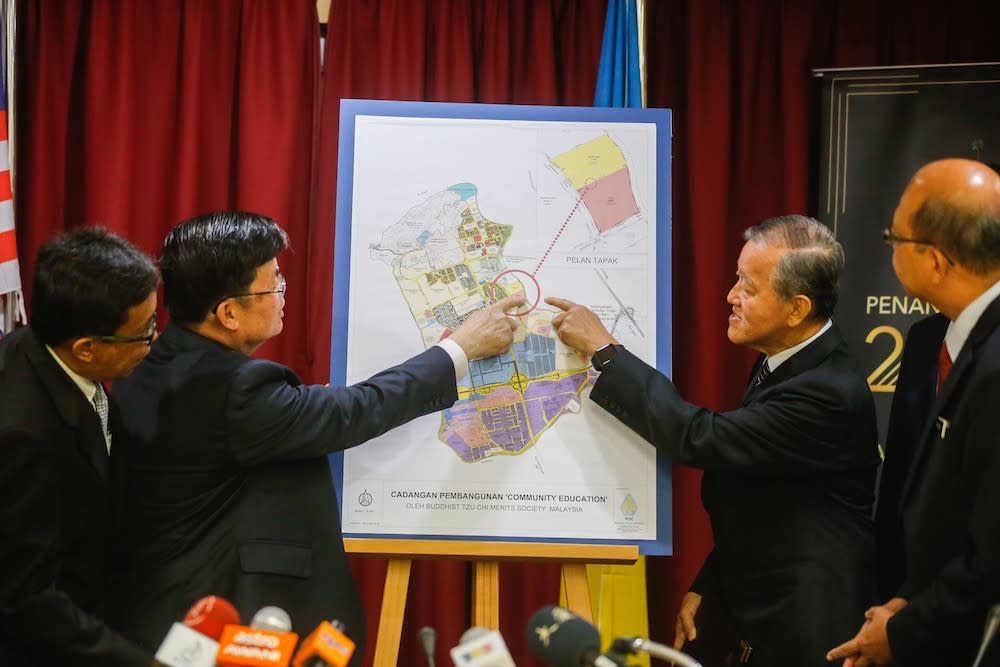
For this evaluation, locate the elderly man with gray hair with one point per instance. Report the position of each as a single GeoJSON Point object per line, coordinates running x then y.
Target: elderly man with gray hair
{"type": "Point", "coordinates": [789, 474]}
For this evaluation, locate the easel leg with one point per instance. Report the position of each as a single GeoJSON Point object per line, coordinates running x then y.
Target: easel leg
{"type": "Point", "coordinates": [577, 592]}
{"type": "Point", "coordinates": [390, 624]}
{"type": "Point", "coordinates": [486, 595]}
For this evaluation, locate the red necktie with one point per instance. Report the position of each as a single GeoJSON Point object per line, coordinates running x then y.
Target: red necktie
{"type": "Point", "coordinates": [944, 366]}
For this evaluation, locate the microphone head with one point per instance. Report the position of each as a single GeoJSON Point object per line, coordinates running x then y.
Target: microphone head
{"type": "Point", "coordinates": [560, 638]}
{"type": "Point", "coordinates": [272, 618]}
{"type": "Point", "coordinates": [210, 615]}
{"type": "Point", "coordinates": [472, 634]}
{"type": "Point", "coordinates": [428, 638]}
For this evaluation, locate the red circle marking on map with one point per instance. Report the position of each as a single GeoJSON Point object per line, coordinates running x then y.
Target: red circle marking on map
{"type": "Point", "coordinates": [538, 291]}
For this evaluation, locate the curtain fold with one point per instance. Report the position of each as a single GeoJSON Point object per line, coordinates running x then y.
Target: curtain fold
{"type": "Point", "coordinates": [135, 115]}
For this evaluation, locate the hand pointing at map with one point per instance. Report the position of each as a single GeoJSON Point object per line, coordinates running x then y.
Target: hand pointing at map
{"type": "Point", "coordinates": [489, 332]}
{"type": "Point", "coordinates": [579, 327]}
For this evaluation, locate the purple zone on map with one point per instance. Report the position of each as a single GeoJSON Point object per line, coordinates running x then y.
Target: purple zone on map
{"type": "Point", "coordinates": [504, 421]}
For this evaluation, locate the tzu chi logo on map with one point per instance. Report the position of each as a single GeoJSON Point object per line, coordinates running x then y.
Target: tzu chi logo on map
{"type": "Point", "coordinates": [447, 259]}
{"type": "Point", "coordinates": [629, 507]}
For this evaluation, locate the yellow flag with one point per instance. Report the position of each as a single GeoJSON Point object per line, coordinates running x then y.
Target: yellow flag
{"type": "Point", "coordinates": [618, 599]}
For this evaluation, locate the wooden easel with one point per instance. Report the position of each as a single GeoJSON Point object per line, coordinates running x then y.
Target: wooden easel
{"type": "Point", "coordinates": [486, 557]}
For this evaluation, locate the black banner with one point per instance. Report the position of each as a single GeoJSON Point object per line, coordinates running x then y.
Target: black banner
{"type": "Point", "coordinates": [878, 126]}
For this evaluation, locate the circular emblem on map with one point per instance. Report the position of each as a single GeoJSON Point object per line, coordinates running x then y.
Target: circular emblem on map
{"type": "Point", "coordinates": [365, 499]}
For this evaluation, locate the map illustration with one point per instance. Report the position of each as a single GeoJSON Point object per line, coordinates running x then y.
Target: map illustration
{"type": "Point", "coordinates": [444, 209]}
{"type": "Point", "coordinates": [448, 260]}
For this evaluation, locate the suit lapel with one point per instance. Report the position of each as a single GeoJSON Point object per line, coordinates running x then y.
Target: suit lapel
{"type": "Point", "coordinates": [72, 407]}
{"type": "Point", "coordinates": [808, 357]}
{"type": "Point", "coordinates": [987, 323]}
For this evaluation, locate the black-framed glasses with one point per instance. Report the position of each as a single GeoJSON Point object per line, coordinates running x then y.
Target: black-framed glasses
{"type": "Point", "coordinates": [280, 290]}
{"type": "Point", "coordinates": [146, 338]}
{"type": "Point", "coordinates": [890, 237]}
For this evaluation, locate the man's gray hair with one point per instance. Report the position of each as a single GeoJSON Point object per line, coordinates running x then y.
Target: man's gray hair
{"type": "Point", "coordinates": [811, 268]}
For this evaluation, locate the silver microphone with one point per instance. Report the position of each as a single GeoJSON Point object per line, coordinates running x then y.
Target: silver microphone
{"type": "Point", "coordinates": [639, 645]}
{"type": "Point", "coordinates": [428, 639]}
{"type": "Point", "coordinates": [992, 623]}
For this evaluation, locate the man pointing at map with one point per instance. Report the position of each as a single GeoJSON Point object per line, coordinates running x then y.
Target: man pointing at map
{"type": "Point", "coordinates": [789, 475]}
{"type": "Point", "coordinates": [230, 492]}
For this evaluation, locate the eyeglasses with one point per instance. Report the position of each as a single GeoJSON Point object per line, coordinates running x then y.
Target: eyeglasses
{"type": "Point", "coordinates": [890, 237]}
{"type": "Point", "coordinates": [280, 290]}
{"type": "Point", "coordinates": [147, 338]}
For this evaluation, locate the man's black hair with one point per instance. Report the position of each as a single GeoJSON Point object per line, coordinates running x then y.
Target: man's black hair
{"type": "Point", "coordinates": [85, 282]}
{"type": "Point", "coordinates": [214, 256]}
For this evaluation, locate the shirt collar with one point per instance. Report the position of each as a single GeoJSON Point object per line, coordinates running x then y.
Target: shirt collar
{"type": "Point", "coordinates": [86, 385]}
{"type": "Point", "coordinates": [959, 330]}
{"type": "Point", "coordinates": [779, 358]}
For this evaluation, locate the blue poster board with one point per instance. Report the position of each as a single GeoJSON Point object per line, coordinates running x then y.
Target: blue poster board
{"type": "Point", "coordinates": [611, 192]}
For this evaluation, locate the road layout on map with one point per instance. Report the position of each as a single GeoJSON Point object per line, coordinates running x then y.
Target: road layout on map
{"type": "Point", "coordinates": [448, 261]}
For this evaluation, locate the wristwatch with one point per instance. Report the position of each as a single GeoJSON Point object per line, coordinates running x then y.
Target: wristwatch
{"type": "Point", "coordinates": [603, 356]}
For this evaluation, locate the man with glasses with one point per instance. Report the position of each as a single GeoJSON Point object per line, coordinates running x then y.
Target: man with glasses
{"type": "Point", "coordinates": [93, 306]}
{"type": "Point", "coordinates": [230, 488]}
{"type": "Point", "coordinates": [945, 502]}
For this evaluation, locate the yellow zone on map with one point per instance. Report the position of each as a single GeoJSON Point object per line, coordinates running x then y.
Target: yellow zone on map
{"type": "Point", "coordinates": [591, 161]}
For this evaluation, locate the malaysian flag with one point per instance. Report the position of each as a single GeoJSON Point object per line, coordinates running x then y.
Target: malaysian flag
{"type": "Point", "coordinates": [11, 299]}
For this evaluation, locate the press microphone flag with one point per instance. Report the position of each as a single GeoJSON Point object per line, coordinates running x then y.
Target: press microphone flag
{"type": "Point", "coordinates": [327, 646]}
{"type": "Point", "coordinates": [480, 647]}
{"type": "Point", "coordinates": [560, 638]}
{"type": "Point", "coordinates": [193, 642]}
{"type": "Point", "coordinates": [185, 647]}
{"type": "Point", "coordinates": [242, 646]}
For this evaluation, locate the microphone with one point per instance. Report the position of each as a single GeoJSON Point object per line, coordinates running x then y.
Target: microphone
{"type": "Point", "coordinates": [271, 618]}
{"type": "Point", "coordinates": [428, 638]}
{"type": "Point", "coordinates": [560, 638]}
{"type": "Point", "coordinates": [193, 643]}
{"type": "Point", "coordinates": [630, 645]}
{"type": "Point", "coordinates": [479, 647]}
{"type": "Point", "coordinates": [327, 646]}
{"type": "Point", "coordinates": [992, 623]}
{"type": "Point", "coordinates": [268, 642]}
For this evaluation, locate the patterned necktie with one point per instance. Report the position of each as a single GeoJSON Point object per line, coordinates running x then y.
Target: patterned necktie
{"type": "Point", "coordinates": [101, 405]}
{"type": "Point", "coordinates": [762, 374]}
{"type": "Point", "coordinates": [944, 366]}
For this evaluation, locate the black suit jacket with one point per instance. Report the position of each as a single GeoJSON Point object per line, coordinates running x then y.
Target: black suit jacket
{"type": "Point", "coordinates": [951, 512]}
{"type": "Point", "coordinates": [788, 485]}
{"type": "Point", "coordinates": [57, 503]}
{"type": "Point", "coordinates": [230, 491]}
{"type": "Point", "coordinates": [916, 388]}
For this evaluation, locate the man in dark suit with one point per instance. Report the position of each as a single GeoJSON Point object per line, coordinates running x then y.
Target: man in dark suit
{"type": "Point", "coordinates": [92, 305]}
{"type": "Point", "coordinates": [230, 489]}
{"type": "Point", "coordinates": [945, 237]}
{"type": "Point", "coordinates": [911, 403]}
{"type": "Point", "coordinates": [789, 475]}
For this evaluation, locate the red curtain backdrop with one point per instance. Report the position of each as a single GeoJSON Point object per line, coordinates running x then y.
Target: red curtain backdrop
{"type": "Point", "coordinates": [136, 115]}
